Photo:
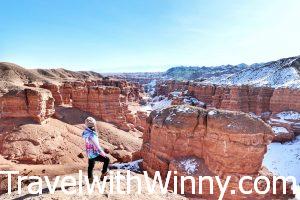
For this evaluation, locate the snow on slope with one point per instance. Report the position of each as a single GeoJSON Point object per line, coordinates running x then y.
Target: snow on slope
{"type": "Point", "coordinates": [282, 73]}
{"type": "Point", "coordinates": [284, 159]}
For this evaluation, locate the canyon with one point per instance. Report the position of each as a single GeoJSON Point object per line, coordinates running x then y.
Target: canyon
{"type": "Point", "coordinates": [192, 127]}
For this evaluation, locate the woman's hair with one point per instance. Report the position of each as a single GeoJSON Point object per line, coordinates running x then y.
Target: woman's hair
{"type": "Point", "coordinates": [90, 122]}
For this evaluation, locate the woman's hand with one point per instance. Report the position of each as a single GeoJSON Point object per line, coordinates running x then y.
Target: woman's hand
{"type": "Point", "coordinates": [102, 153]}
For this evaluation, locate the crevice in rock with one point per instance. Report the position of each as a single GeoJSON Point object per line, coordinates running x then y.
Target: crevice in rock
{"type": "Point", "coordinates": [26, 100]}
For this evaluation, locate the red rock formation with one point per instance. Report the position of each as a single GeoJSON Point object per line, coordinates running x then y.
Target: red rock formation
{"type": "Point", "coordinates": [66, 93]}
{"type": "Point", "coordinates": [27, 102]}
{"type": "Point", "coordinates": [131, 91]}
{"type": "Point", "coordinates": [203, 93]}
{"type": "Point", "coordinates": [165, 88]}
{"type": "Point", "coordinates": [141, 121]}
{"type": "Point", "coordinates": [216, 141]}
{"type": "Point", "coordinates": [103, 102]}
{"type": "Point", "coordinates": [237, 98]}
{"type": "Point", "coordinates": [259, 99]}
{"type": "Point", "coordinates": [108, 103]}
{"type": "Point", "coordinates": [285, 99]}
{"type": "Point", "coordinates": [55, 90]}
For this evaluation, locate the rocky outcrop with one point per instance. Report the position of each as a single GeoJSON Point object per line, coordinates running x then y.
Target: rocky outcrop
{"type": "Point", "coordinates": [216, 142]}
{"type": "Point", "coordinates": [27, 102]}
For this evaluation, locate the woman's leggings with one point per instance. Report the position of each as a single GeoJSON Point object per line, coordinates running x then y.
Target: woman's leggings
{"type": "Point", "coordinates": [92, 161]}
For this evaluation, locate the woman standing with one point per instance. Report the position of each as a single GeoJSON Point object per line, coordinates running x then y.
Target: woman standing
{"type": "Point", "coordinates": [93, 149]}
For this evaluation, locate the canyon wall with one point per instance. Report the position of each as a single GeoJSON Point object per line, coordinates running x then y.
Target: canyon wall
{"type": "Point", "coordinates": [197, 142]}
{"type": "Point", "coordinates": [27, 102]}
{"type": "Point", "coordinates": [244, 98]}
{"type": "Point", "coordinates": [62, 93]}
{"type": "Point", "coordinates": [105, 98]}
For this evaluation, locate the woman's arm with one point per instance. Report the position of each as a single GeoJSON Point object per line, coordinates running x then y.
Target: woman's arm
{"type": "Point", "coordinates": [95, 141]}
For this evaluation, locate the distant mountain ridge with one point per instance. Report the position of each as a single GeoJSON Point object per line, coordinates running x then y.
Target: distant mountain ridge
{"type": "Point", "coordinates": [201, 73]}
{"type": "Point", "coordinates": [284, 72]}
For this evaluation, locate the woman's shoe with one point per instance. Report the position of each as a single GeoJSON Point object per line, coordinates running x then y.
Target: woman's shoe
{"type": "Point", "coordinates": [103, 175]}
{"type": "Point", "coordinates": [91, 180]}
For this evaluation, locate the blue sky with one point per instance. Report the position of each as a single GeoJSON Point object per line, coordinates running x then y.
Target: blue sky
{"type": "Point", "coordinates": [146, 35]}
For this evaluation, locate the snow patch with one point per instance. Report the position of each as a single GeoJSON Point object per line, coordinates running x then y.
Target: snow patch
{"type": "Point", "coordinates": [212, 112]}
{"type": "Point", "coordinates": [176, 93]}
{"type": "Point", "coordinates": [132, 166]}
{"type": "Point", "coordinates": [277, 130]}
{"type": "Point", "coordinates": [289, 115]}
{"type": "Point", "coordinates": [184, 109]}
{"type": "Point", "coordinates": [284, 159]}
{"type": "Point", "coordinates": [189, 165]}
{"type": "Point", "coordinates": [159, 105]}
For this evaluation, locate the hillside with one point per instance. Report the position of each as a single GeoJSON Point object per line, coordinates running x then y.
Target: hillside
{"type": "Point", "coordinates": [18, 75]}
{"type": "Point", "coordinates": [281, 73]}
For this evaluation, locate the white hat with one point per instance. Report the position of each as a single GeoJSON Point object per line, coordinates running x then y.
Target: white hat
{"type": "Point", "coordinates": [90, 122]}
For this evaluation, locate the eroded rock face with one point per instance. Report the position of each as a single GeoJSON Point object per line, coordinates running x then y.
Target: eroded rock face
{"type": "Point", "coordinates": [55, 90]}
{"type": "Point", "coordinates": [141, 121]}
{"type": "Point", "coordinates": [105, 98]}
{"type": "Point", "coordinates": [166, 87]}
{"type": "Point", "coordinates": [218, 142]}
{"type": "Point", "coordinates": [237, 98]}
{"type": "Point", "coordinates": [103, 102]}
{"type": "Point", "coordinates": [204, 93]}
{"type": "Point", "coordinates": [244, 98]}
{"type": "Point", "coordinates": [233, 136]}
{"type": "Point", "coordinates": [66, 93]}
{"type": "Point", "coordinates": [27, 102]}
{"type": "Point", "coordinates": [285, 99]}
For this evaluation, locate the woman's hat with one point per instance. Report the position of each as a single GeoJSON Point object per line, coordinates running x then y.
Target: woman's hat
{"type": "Point", "coordinates": [90, 122]}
